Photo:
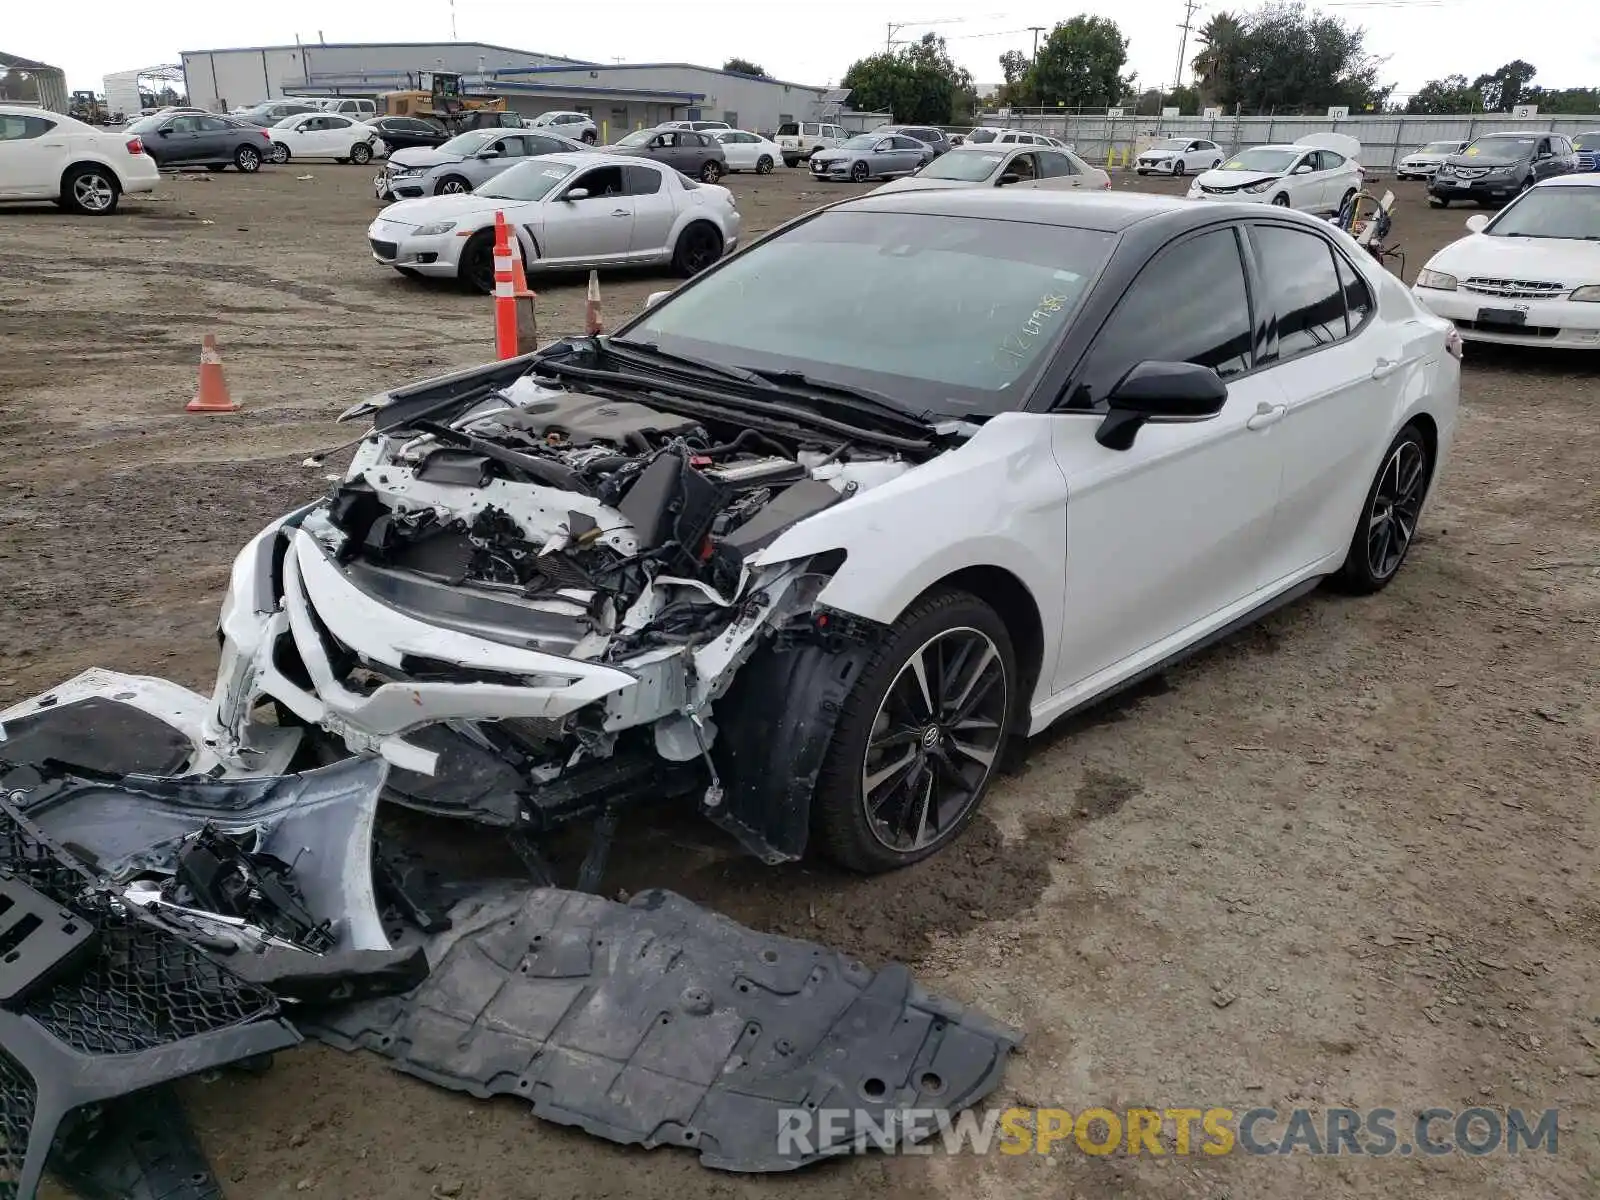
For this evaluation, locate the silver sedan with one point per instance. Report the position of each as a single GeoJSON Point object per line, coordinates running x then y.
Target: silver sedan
{"type": "Point", "coordinates": [872, 156]}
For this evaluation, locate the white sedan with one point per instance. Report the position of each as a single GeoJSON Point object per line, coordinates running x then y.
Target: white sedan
{"type": "Point", "coordinates": [1317, 173]}
{"type": "Point", "coordinates": [570, 210]}
{"type": "Point", "coordinates": [1530, 275]}
{"type": "Point", "coordinates": [324, 135]}
{"type": "Point", "coordinates": [747, 151]}
{"type": "Point", "coordinates": [993, 164]}
{"type": "Point", "coordinates": [47, 156]}
{"type": "Point", "coordinates": [1178, 156]}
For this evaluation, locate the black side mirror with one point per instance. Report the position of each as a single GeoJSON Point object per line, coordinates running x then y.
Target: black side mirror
{"type": "Point", "coordinates": [1160, 392]}
{"type": "Point", "coordinates": [1008, 180]}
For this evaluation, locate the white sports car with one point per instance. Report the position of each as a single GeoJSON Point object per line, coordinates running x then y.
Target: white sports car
{"type": "Point", "coordinates": [814, 554]}
{"type": "Point", "coordinates": [580, 209]}
{"type": "Point", "coordinates": [324, 135]}
{"type": "Point", "coordinates": [748, 151]}
{"type": "Point", "coordinates": [1528, 276]}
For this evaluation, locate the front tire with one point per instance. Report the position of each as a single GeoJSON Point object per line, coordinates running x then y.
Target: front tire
{"type": "Point", "coordinates": [247, 159]}
{"type": "Point", "coordinates": [1388, 524]}
{"type": "Point", "coordinates": [361, 154]}
{"type": "Point", "coordinates": [1177, 169]}
{"type": "Point", "coordinates": [1281, 200]}
{"type": "Point", "coordinates": [475, 268]}
{"type": "Point", "coordinates": [764, 165]}
{"type": "Point", "coordinates": [859, 172]}
{"type": "Point", "coordinates": [918, 737]}
{"type": "Point", "coordinates": [452, 185]}
{"type": "Point", "coordinates": [279, 154]}
{"type": "Point", "coordinates": [90, 191]}
{"type": "Point", "coordinates": [791, 163]}
{"type": "Point", "coordinates": [1438, 202]}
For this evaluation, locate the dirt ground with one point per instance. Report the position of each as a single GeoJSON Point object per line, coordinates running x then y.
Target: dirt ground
{"type": "Point", "coordinates": [1346, 858]}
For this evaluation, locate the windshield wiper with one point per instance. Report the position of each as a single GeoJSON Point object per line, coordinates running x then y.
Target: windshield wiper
{"type": "Point", "coordinates": [798, 383]}
{"type": "Point", "coordinates": [705, 366]}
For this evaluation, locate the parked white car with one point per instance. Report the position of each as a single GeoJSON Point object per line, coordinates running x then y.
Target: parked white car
{"type": "Point", "coordinates": [985, 135]}
{"type": "Point", "coordinates": [1529, 275]}
{"type": "Point", "coordinates": [799, 140]}
{"type": "Point", "coordinates": [580, 127]}
{"type": "Point", "coordinates": [1316, 173]}
{"type": "Point", "coordinates": [995, 165]}
{"type": "Point", "coordinates": [697, 126]}
{"type": "Point", "coordinates": [584, 209]}
{"type": "Point", "coordinates": [1424, 163]}
{"type": "Point", "coordinates": [47, 156]}
{"type": "Point", "coordinates": [1178, 156]}
{"type": "Point", "coordinates": [324, 135]}
{"type": "Point", "coordinates": [747, 151]}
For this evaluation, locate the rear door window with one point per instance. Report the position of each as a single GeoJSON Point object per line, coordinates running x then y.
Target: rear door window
{"type": "Point", "coordinates": [1304, 293]}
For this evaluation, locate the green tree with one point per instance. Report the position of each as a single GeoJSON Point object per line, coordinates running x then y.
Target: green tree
{"type": "Point", "coordinates": [1014, 67]}
{"type": "Point", "coordinates": [1562, 100]}
{"type": "Point", "coordinates": [1281, 57]}
{"type": "Point", "coordinates": [1452, 94]}
{"type": "Point", "coordinates": [1079, 65]}
{"type": "Point", "coordinates": [1502, 90]}
{"type": "Point", "coordinates": [743, 66]}
{"type": "Point", "coordinates": [918, 83]}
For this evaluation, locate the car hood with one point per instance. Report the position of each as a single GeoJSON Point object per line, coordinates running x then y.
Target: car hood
{"type": "Point", "coordinates": [1339, 143]}
{"type": "Point", "coordinates": [1234, 179]}
{"type": "Point", "coordinates": [428, 209]}
{"type": "Point", "coordinates": [1158, 154]}
{"type": "Point", "coordinates": [828, 156]}
{"type": "Point", "coordinates": [422, 157]}
{"type": "Point", "coordinates": [913, 184]}
{"type": "Point", "coordinates": [1556, 259]}
{"type": "Point", "coordinates": [1481, 160]}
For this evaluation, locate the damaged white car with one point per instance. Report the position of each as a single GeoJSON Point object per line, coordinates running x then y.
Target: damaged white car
{"type": "Point", "coordinates": [814, 535]}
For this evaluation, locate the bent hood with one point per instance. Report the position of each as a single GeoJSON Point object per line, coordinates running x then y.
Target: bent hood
{"type": "Point", "coordinates": [1234, 179]}
{"type": "Point", "coordinates": [427, 209]}
{"type": "Point", "coordinates": [1571, 263]}
{"type": "Point", "coordinates": [1339, 143]}
{"type": "Point", "coordinates": [422, 157]}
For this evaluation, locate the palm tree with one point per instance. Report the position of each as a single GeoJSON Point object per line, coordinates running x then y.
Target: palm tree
{"type": "Point", "coordinates": [1217, 67]}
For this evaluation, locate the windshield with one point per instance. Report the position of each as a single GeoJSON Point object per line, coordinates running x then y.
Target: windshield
{"type": "Point", "coordinates": [1552, 212]}
{"type": "Point", "coordinates": [863, 141]}
{"type": "Point", "coordinates": [470, 142]}
{"type": "Point", "coordinates": [979, 136]}
{"type": "Point", "coordinates": [531, 179]}
{"type": "Point", "coordinates": [1500, 147]}
{"type": "Point", "coordinates": [1170, 144]}
{"type": "Point", "coordinates": [1261, 160]}
{"type": "Point", "coordinates": [1586, 141]}
{"type": "Point", "coordinates": [944, 315]}
{"type": "Point", "coordinates": [1441, 148]}
{"type": "Point", "coordinates": [639, 137]}
{"type": "Point", "coordinates": [968, 166]}
{"type": "Point", "coordinates": [788, 129]}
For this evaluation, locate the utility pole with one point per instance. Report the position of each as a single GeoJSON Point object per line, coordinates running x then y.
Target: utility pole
{"type": "Point", "coordinates": [452, 20]}
{"type": "Point", "coordinates": [1190, 7]}
{"type": "Point", "coordinates": [1036, 30]}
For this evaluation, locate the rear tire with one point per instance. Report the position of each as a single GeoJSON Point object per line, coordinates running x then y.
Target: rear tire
{"type": "Point", "coordinates": [90, 191]}
{"type": "Point", "coordinates": [711, 171]}
{"type": "Point", "coordinates": [247, 159]}
{"type": "Point", "coordinates": [869, 812]}
{"type": "Point", "coordinates": [1388, 524]}
{"type": "Point", "coordinates": [215, 167]}
{"type": "Point", "coordinates": [361, 154]}
{"type": "Point", "coordinates": [588, 137]}
{"type": "Point", "coordinates": [791, 163]}
{"type": "Point", "coordinates": [699, 246]}
{"type": "Point", "coordinates": [279, 154]}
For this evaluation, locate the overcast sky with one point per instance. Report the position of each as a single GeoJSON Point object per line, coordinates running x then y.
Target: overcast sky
{"type": "Point", "coordinates": [805, 42]}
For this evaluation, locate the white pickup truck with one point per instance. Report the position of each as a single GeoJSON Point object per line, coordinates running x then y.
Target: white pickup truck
{"type": "Point", "coordinates": [801, 139]}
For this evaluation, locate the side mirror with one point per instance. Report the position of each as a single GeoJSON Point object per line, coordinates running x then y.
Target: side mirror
{"type": "Point", "coordinates": [1008, 180]}
{"type": "Point", "coordinates": [1160, 392]}
{"type": "Point", "coordinates": [1477, 222]}
{"type": "Point", "coordinates": [655, 298]}
{"type": "Point", "coordinates": [164, 132]}
{"type": "Point", "coordinates": [1302, 169]}
{"type": "Point", "coordinates": [576, 194]}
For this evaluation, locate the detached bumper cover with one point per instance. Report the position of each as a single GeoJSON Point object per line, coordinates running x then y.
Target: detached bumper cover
{"type": "Point", "coordinates": [659, 1023]}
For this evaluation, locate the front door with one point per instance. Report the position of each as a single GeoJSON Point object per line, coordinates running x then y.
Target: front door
{"type": "Point", "coordinates": [1165, 535]}
{"type": "Point", "coordinates": [180, 140]}
{"type": "Point", "coordinates": [1056, 172]}
{"type": "Point", "coordinates": [599, 225]}
{"type": "Point", "coordinates": [654, 211]}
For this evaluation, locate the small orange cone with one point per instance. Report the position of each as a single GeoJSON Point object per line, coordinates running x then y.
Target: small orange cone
{"type": "Point", "coordinates": [212, 395]}
{"type": "Point", "coordinates": [593, 324]}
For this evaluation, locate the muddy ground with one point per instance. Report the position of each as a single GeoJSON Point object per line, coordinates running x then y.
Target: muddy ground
{"type": "Point", "coordinates": [1346, 858]}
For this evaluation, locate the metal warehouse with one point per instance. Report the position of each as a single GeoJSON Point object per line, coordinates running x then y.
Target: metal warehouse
{"type": "Point", "coordinates": [618, 96]}
{"type": "Point", "coordinates": [28, 82]}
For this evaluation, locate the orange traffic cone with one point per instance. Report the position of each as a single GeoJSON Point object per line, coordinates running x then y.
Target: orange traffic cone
{"type": "Point", "coordinates": [592, 323]}
{"type": "Point", "coordinates": [527, 320]}
{"type": "Point", "coordinates": [212, 395]}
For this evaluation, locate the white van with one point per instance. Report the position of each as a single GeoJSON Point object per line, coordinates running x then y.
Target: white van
{"type": "Point", "coordinates": [802, 139]}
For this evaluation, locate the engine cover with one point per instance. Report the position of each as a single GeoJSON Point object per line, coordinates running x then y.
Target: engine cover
{"type": "Point", "coordinates": [567, 419]}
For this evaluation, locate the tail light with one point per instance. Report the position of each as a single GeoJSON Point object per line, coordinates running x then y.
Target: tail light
{"type": "Point", "coordinates": [1106, 186]}
{"type": "Point", "coordinates": [265, 136]}
{"type": "Point", "coordinates": [1453, 343]}
{"type": "Point", "coordinates": [135, 146]}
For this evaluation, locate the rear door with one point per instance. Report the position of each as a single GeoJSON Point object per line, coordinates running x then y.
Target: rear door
{"type": "Point", "coordinates": [1341, 375]}
{"type": "Point", "coordinates": [1166, 535]}
{"type": "Point", "coordinates": [1056, 171]}
{"type": "Point", "coordinates": [33, 155]}
{"type": "Point", "coordinates": [339, 133]}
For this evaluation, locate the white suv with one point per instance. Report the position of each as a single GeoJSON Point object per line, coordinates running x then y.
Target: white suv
{"type": "Point", "coordinates": [46, 156]}
{"type": "Point", "coordinates": [802, 139]}
{"type": "Point", "coordinates": [580, 127]}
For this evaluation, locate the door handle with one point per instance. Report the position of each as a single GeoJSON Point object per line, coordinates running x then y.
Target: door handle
{"type": "Point", "coordinates": [1267, 414]}
{"type": "Point", "coordinates": [619, 212]}
{"type": "Point", "coordinates": [1385, 367]}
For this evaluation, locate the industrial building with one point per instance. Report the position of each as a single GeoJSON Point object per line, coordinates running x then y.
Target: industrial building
{"type": "Point", "coordinates": [23, 81]}
{"type": "Point", "coordinates": [618, 96]}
